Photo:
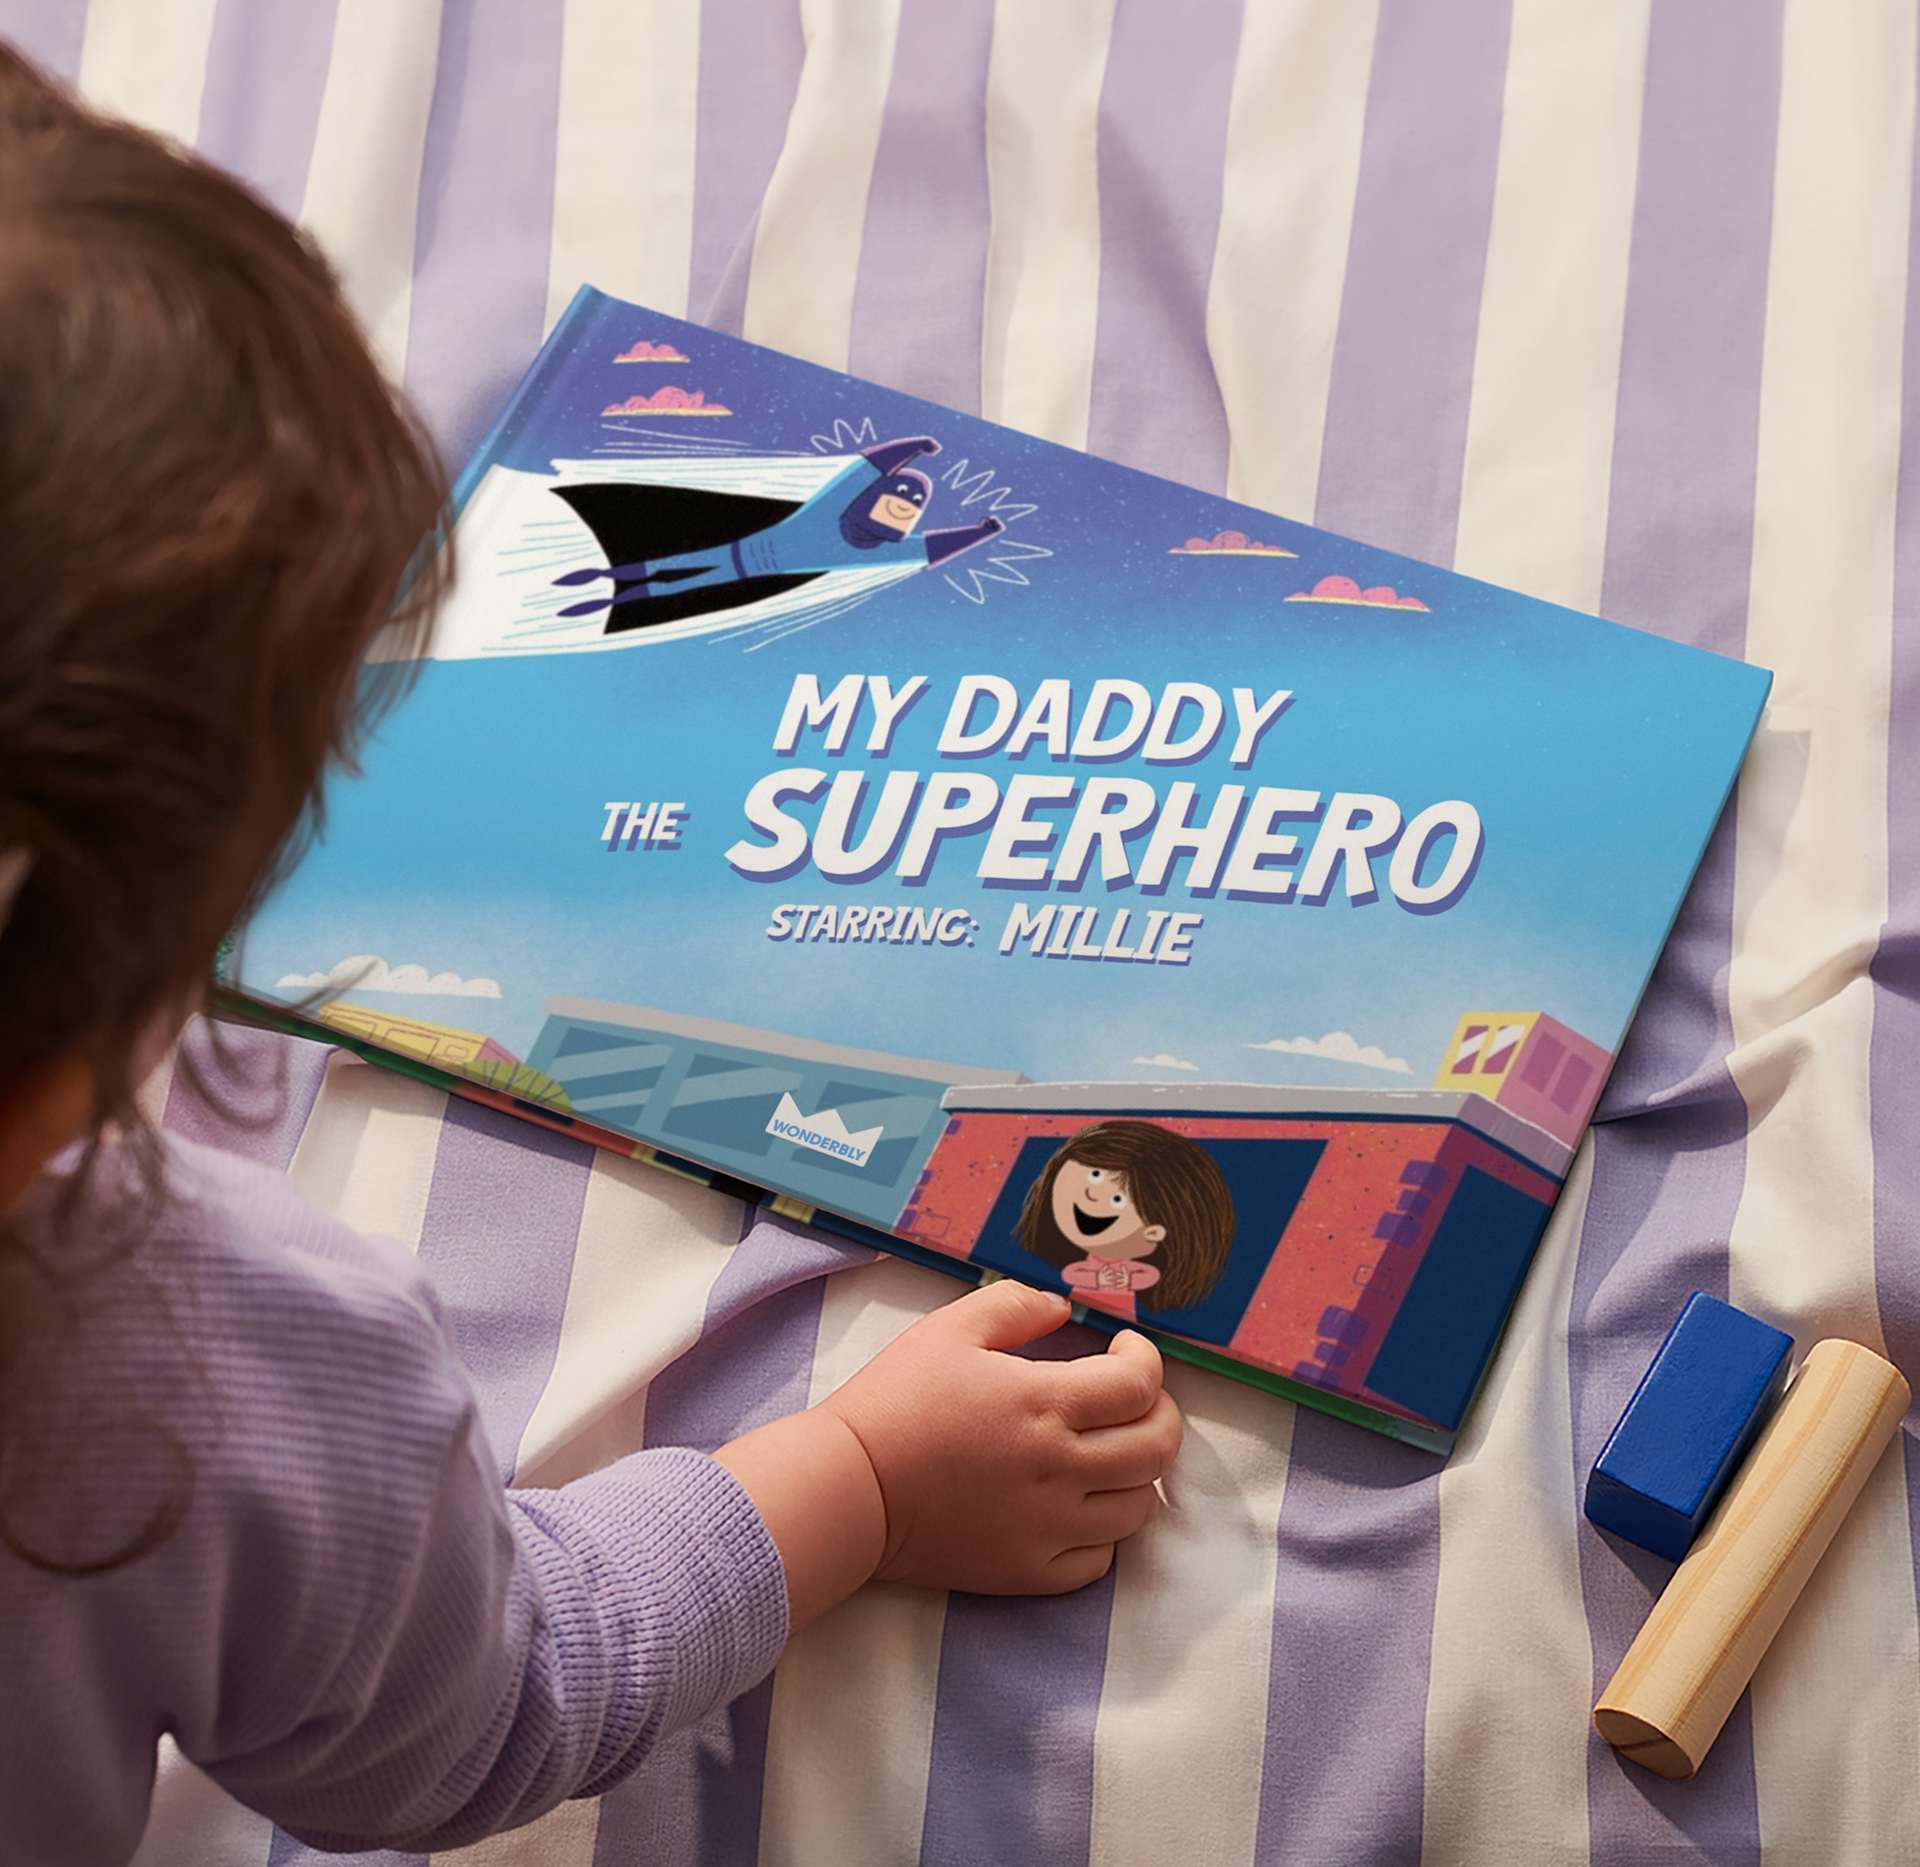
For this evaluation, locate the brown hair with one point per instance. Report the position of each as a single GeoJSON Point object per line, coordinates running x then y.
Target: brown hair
{"type": "Point", "coordinates": [210, 501]}
{"type": "Point", "coordinates": [1174, 1183]}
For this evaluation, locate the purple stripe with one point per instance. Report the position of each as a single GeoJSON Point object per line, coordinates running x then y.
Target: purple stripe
{"type": "Point", "coordinates": [740, 123]}
{"type": "Point", "coordinates": [1010, 1777]}
{"type": "Point", "coordinates": [1359, 1564]}
{"type": "Point", "coordinates": [723, 1387]}
{"type": "Point", "coordinates": [1163, 151]}
{"type": "Point", "coordinates": [501, 1225]}
{"type": "Point", "coordinates": [921, 291]}
{"type": "Point", "coordinates": [48, 31]}
{"type": "Point", "coordinates": [250, 1096]}
{"type": "Point", "coordinates": [1359, 1529]}
{"type": "Point", "coordinates": [697, 1798]}
{"type": "Point", "coordinates": [1011, 1772]}
{"type": "Point", "coordinates": [266, 70]}
{"type": "Point", "coordinates": [485, 227]}
{"type": "Point", "coordinates": [1896, 963]}
{"type": "Point", "coordinates": [1670, 1155]}
{"type": "Point", "coordinates": [726, 308]}
{"type": "Point", "coordinates": [1396, 426]}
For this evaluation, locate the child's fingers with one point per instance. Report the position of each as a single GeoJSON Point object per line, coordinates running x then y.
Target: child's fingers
{"type": "Point", "coordinates": [1075, 1568]}
{"type": "Point", "coordinates": [1113, 1516]}
{"type": "Point", "coordinates": [1111, 1389]}
{"type": "Point", "coordinates": [1131, 1345]}
{"type": "Point", "coordinates": [1003, 1315]}
{"type": "Point", "coordinates": [1117, 1457]}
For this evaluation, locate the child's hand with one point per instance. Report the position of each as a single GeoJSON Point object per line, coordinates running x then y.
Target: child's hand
{"type": "Point", "coordinates": [948, 1461]}
{"type": "Point", "coordinates": [1004, 1476]}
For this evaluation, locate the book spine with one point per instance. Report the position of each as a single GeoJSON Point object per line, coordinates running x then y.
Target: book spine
{"type": "Point", "coordinates": [236, 1008]}
{"type": "Point", "coordinates": [1321, 1400]}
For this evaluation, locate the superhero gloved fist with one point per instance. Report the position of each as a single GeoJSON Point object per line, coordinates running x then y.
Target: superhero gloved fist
{"type": "Point", "coordinates": [891, 456]}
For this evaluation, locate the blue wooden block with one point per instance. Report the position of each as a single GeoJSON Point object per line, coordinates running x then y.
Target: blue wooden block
{"type": "Point", "coordinates": [1688, 1426]}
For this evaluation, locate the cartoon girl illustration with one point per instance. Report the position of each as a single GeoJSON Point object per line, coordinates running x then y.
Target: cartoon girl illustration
{"type": "Point", "coordinates": [1131, 1212]}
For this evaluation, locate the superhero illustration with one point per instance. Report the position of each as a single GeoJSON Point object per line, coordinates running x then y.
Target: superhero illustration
{"type": "Point", "coordinates": [687, 551]}
{"type": "Point", "coordinates": [609, 552]}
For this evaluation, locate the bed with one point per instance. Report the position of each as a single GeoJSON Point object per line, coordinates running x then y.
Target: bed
{"type": "Point", "coordinates": [1610, 303]}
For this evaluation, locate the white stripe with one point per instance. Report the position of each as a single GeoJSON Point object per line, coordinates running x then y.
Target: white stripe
{"type": "Point", "coordinates": [1835, 1718]}
{"type": "Point", "coordinates": [151, 1097]}
{"type": "Point", "coordinates": [1286, 210]}
{"type": "Point", "coordinates": [1180, 1737]}
{"type": "Point", "coordinates": [148, 62]}
{"type": "Point", "coordinates": [623, 159]}
{"type": "Point", "coordinates": [565, 1838]}
{"type": "Point", "coordinates": [1533, 511]}
{"type": "Point", "coordinates": [850, 1738]}
{"type": "Point", "coordinates": [806, 246]}
{"type": "Point", "coordinates": [1533, 500]}
{"type": "Point", "coordinates": [363, 185]}
{"type": "Point", "coordinates": [649, 1248]}
{"type": "Point", "coordinates": [367, 1152]}
{"type": "Point", "coordinates": [192, 1819]}
{"type": "Point", "coordinates": [1043, 180]}
{"type": "Point", "coordinates": [1509, 1584]}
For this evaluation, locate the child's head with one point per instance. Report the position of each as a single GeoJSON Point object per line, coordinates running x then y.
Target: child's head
{"type": "Point", "coordinates": [209, 500]}
{"type": "Point", "coordinates": [1132, 1189]}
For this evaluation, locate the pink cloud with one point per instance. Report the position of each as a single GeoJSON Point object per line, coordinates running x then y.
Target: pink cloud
{"type": "Point", "coordinates": [1236, 544]}
{"type": "Point", "coordinates": [642, 351]}
{"type": "Point", "coordinates": [1345, 590]}
{"type": "Point", "coordinates": [667, 400]}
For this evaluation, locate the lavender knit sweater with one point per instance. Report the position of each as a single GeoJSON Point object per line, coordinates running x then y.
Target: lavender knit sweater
{"type": "Point", "coordinates": [355, 1628]}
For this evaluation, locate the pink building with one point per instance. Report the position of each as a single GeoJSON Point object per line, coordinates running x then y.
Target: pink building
{"type": "Point", "coordinates": [1380, 1234]}
{"type": "Point", "coordinates": [1530, 1063]}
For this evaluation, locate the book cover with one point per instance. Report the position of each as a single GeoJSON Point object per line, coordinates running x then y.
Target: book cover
{"type": "Point", "coordinates": [1064, 873]}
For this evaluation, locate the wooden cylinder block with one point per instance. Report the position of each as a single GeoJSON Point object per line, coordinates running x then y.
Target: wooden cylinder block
{"type": "Point", "coordinates": [1710, 1628]}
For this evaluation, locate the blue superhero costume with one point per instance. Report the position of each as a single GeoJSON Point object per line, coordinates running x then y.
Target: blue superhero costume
{"type": "Point", "coordinates": [674, 552]}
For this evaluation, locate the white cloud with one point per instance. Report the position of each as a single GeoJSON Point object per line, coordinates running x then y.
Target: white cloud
{"type": "Point", "coordinates": [1165, 1060]}
{"type": "Point", "coordinates": [366, 972]}
{"type": "Point", "coordinates": [1339, 1047]}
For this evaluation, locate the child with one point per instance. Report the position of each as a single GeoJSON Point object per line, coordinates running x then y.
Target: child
{"type": "Point", "coordinates": [243, 1493]}
{"type": "Point", "coordinates": [1131, 1212]}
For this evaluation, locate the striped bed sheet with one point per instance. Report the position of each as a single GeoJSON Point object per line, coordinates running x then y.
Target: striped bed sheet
{"type": "Point", "coordinates": [1612, 303]}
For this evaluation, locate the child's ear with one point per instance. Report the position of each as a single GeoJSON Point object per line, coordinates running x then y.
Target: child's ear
{"type": "Point", "coordinates": [1158, 1233]}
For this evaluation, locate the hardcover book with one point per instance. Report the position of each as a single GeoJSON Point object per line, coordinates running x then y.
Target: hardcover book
{"type": "Point", "coordinates": [1038, 867]}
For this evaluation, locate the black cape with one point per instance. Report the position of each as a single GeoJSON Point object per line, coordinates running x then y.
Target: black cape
{"type": "Point", "coordinates": [634, 523]}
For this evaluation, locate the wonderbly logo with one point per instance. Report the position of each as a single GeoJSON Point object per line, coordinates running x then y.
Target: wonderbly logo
{"type": "Point", "coordinates": [825, 1133]}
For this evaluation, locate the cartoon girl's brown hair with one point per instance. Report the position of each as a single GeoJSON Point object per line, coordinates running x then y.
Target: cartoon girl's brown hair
{"type": "Point", "coordinates": [1173, 1182]}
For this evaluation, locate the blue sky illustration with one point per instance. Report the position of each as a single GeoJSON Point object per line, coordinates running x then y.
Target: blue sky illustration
{"type": "Point", "coordinates": [1597, 756]}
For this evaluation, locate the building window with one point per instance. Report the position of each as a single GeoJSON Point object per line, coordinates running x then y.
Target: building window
{"type": "Point", "coordinates": [1542, 1059]}
{"type": "Point", "coordinates": [1469, 1049]}
{"type": "Point", "coordinates": [1500, 1052]}
{"type": "Point", "coordinates": [1570, 1091]}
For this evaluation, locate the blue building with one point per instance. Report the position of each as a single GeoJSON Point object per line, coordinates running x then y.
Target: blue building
{"type": "Point", "coordinates": [843, 1128]}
